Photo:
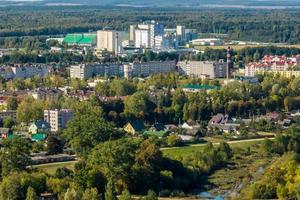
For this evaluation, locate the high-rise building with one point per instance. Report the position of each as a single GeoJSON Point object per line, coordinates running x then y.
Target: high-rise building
{"type": "Point", "coordinates": [145, 34]}
{"type": "Point", "coordinates": [109, 40]}
{"type": "Point", "coordinates": [180, 31]}
{"type": "Point", "coordinates": [58, 119]}
{"type": "Point", "coordinates": [156, 29]}
{"type": "Point", "coordinates": [142, 38]}
{"type": "Point", "coordinates": [132, 33]}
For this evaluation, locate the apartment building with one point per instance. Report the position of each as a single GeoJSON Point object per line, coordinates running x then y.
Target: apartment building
{"type": "Point", "coordinates": [24, 71]}
{"type": "Point", "coordinates": [202, 69]}
{"type": "Point", "coordinates": [274, 64]}
{"type": "Point", "coordinates": [109, 40]}
{"type": "Point", "coordinates": [9, 114]}
{"type": "Point", "coordinates": [144, 69]}
{"type": "Point", "coordinates": [86, 71]}
{"type": "Point", "coordinates": [58, 119]}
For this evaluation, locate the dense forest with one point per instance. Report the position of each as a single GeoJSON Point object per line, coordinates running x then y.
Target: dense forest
{"type": "Point", "coordinates": [281, 26]}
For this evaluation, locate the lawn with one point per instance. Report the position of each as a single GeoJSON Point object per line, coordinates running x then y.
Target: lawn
{"type": "Point", "coordinates": [52, 167]}
{"type": "Point", "coordinates": [182, 152]}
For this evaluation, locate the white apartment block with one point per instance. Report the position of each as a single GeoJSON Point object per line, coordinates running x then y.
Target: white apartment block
{"type": "Point", "coordinates": [144, 35]}
{"type": "Point", "coordinates": [199, 69]}
{"type": "Point", "coordinates": [23, 72]}
{"type": "Point", "coordinates": [109, 40]}
{"type": "Point", "coordinates": [82, 71]}
{"type": "Point", "coordinates": [58, 119]}
{"type": "Point", "coordinates": [142, 38]}
{"type": "Point", "coordinates": [144, 69]}
{"type": "Point", "coordinates": [86, 71]}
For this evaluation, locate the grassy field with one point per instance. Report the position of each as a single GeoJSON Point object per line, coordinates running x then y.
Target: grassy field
{"type": "Point", "coordinates": [182, 152]}
{"type": "Point", "coordinates": [52, 167]}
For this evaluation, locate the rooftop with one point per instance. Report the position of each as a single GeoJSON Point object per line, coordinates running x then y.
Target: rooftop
{"type": "Point", "coordinates": [200, 87]}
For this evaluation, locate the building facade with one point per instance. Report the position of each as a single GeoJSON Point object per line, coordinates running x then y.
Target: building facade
{"type": "Point", "coordinates": [58, 119]}
{"type": "Point", "coordinates": [202, 69]}
{"type": "Point", "coordinates": [86, 71]}
{"type": "Point", "coordinates": [24, 71]}
{"type": "Point", "coordinates": [144, 69]}
{"type": "Point", "coordinates": [109, 40]}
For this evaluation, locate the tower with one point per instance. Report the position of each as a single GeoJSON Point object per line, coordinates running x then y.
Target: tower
{"type": "Point", "coordinates": [228, 63]}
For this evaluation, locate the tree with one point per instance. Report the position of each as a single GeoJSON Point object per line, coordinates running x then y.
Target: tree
{"type": "Point", "coordinates": [54, 145]}
{"type": "Point", "coordinates": [8, 122]}
{"type": "Point", "coordinates": [30, 110]}
{"type": "Point", "coordinates": [91, 194]}
{"type": "Point", "coordinates": [151, 195]}
{"type": "Point", "coordinates": [12, 103]}
{"type": "Point", "coordinates": [86, 130]}
{"type": "Point", "coordinates": [125, 195]}
{"type": "Point", "coordinates": [110, 193]}
{"type": "Point", "coordinates": [15, 155]}
{"type": "Point", "coordinates": [71, 194]}
{"type": "Point", "coordinates": [136, 105]}
{"type": "Point", "coordinates": [31, 195]}
{"type": "Point", "coordinates": [174, 140]}
{"type": "Point", "coordinates": [114, 159]}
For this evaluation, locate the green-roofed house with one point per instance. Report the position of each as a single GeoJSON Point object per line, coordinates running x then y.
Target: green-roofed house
{"type": "Point", "coordinates": [38, 137]}
{"type": "Point", "coordinates": [197, 87]}
{"type": "Point", "coordinates": [78, 39]}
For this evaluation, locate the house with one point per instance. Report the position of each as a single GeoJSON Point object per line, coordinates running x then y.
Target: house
{"type": "Point", "coordinates": [39, 126]}
{"type": "Point", "coordinates": [158, 127]}
{"type": "Point", "coordinates": [273, 116]}
{"type": "Point", "coordinates": [5, 132]}
{"type": "Point", "coordinates": [190, 125]}
{"type": "Point", "coordinates": [170, 127]}
{"type": "Point", "coordinates": [133, 128]}
{"type": "Point", "coordinates": [218, 119]}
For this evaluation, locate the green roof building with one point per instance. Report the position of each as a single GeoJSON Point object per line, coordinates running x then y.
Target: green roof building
{"type": "Point", "coordinates": [38, 137]}
{"type": "Point", "coordinates": [158, 134]}
{"type": "Point", "coordinates": [197, 87]}
{"type": "Point", "coordinates": [85, 39]}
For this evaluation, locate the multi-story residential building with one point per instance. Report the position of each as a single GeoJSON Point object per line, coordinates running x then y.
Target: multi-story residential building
{"type": "Point", "coordinates": [46, 93]}
{"type": "Point", "coordinates": [8, 114]}
{"type": "Point", "coordinates": [144, 69]}
{"type": "Point", "coordinates": [24, 71]}
{"type": "Point", "coordinates": [275, 64]}
{"type": "Point", "coordinates": [201, 69]}
{"type": "Point", "coordinates": [180, 33]}
{"type": "Point", "coordinates": [86, 71]}
{"type": "Point", "coordinates": [142, 38]}
{"type": "Point", "coordinates": [132, 33]}
{"type": "Point", "coordinates": [109, 40]}
{"type": "Point", "coordinates": [82, 71]}
{"type": "Point", "coordinates": [144, 35]}
{"type": "Point", "coordinates": [58, 119]}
